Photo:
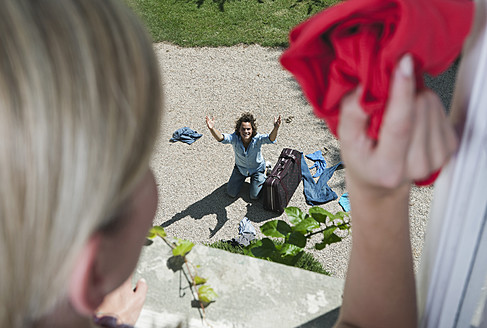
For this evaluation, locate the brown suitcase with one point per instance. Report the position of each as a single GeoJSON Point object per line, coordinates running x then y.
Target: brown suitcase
{"type": "Point", "coordinates": [283, 180]}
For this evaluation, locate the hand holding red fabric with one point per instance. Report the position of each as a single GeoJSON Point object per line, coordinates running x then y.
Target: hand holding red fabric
{"type": "Point", "coordinates": [360, 41]}
{"type": "Point", "coordinates": [415, 140]}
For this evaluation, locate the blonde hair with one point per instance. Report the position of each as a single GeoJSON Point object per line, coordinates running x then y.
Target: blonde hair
{"type": "Point", "coordinates": [79, 113]}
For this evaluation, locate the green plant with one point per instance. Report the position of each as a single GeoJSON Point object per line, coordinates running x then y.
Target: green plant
{"type": "Point", "coordinates": [306, 262]}
{"type": "Point", "coordinates": [202, 292]}
{"type": "Point", "coordinates": [292, 239]}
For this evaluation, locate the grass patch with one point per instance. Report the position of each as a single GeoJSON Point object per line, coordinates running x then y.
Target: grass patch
{"type": "Point", "coordinates": [306, 262]}
{"type": "Point", "coordinates": [197, 23]}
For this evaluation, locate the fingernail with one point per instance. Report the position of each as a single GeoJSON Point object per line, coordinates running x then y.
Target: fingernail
{"type": "Point", "coordinates": [406, 65]}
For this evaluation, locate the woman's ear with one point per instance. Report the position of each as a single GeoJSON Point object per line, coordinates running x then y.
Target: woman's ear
{"type": "Point", "coordinates": [86, 290]}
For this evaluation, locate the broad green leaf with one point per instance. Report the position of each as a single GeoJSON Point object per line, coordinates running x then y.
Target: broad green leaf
{"type": "Point", "coordinates": [306, 225]}
{"type": "Point", "coordinates": [206, 294]}
{"type": "Point", "coordinates": [295, 214]}
{"type": "Point", "coordinates": [283, 227]}
{"type": "Point", "coordinates": [290, 250]}
{"type": "Point", "coordinates": [297, 239]}
{"type": "Point", "coordinates": [328, 238]}
{"type": "Point", "coordinates": [289, 259]}
{"type": "Point", "coordinates": [319, 214]}
{"type": "Point", "coordinates": [182, 248]}
{"type": "Point", "coordinates": [265, 249]}
{"type": "Point", "coordinates": [199, 280]}
{"type": "Point", "coordinates": [158, 230]}
{"type": "Point", "coordinates": [328, 232]}
{"type": "Point", "coordinates": [275, 228]}
{"type": "Point", "coordinates": [332, 239]}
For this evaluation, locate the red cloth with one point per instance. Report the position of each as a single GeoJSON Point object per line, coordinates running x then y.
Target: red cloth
{"type": "Point", "coordinates": [361, 41]}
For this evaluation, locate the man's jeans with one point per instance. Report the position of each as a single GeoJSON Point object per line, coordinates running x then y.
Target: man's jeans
{"type": "Point", "coordinates": [237, 179]}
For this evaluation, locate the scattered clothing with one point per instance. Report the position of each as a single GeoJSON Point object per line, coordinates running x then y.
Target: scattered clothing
{"type": "Point", "coordinates": [344, 202]}
{"type": "Point", "coordinates": [245, 226]}
{"type": "Point", "coordinates": [359, 42]}
{"type": "Point", "coordinates": [246, 233]}
{"type": "Point", "coordinates": [185, 135]}
{"type": "Point", "coordinates": [318, 192]}
{"type": "Point", "coordinates": [319, 162]}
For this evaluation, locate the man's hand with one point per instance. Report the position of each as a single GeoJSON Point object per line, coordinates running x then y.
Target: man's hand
{"type": "Point", "coordinates": [277, 121]}
{"type": "Point", "coordinates": [125, 303]}
{"type": "Point", "coordinates": [210, 122]}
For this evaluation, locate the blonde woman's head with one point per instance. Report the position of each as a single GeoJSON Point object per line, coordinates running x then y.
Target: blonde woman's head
{"type": "Point", "coordinates": [79, 112]}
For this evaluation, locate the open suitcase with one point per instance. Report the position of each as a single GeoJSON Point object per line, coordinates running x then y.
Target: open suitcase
{"type": "Point", "coordinates": [283, 180]}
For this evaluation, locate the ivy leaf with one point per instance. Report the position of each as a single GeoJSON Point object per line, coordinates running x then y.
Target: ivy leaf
{"type": "Point", "coordinates": [297, 239]}
{"type": "Point", "coordinates": [206, 294]}
{"type": "Point", "coordinates": [306, 225]}
{"type": "Point", "coordinates": [151, 234]}
{"type": "Point", "coordinates": [182, 248]}
{"type": "Point", "coordinates": [159, 231]}
{"type": "Point", "coordinates": [319, 214]}
{"type": "Point", "coordinates": [275, 228]}
{"type": "Point", "coordinates": [199, 280]}
{"type": "Point", "coordinates": [265, 249]}
{"type": "Point", "coordinates": [295, 214]}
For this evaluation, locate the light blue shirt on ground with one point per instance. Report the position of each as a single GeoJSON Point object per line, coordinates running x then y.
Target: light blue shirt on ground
{"type": "Point", "coordinates": [251, 160]}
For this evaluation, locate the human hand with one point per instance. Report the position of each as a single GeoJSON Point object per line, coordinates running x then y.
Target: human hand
{"type": "Point", "coordinates": [277, 121]}
{"type": "Point", "coordinates": [210, 122]}
{"type": "Point", "coordinates": [415, 139]}
{"type": "Point", "coordinates": [124, 303]}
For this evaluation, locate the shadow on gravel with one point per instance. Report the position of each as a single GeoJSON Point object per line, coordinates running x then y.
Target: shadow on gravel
{"type": "Point", "coordinates": [216, 203]}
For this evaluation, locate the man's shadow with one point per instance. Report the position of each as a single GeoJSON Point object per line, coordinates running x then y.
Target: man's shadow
{"type": "Point", "coordinates": [217, 202]}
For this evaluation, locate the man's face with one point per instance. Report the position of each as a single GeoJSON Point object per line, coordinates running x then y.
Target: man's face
{"type": "Point", "coordinates": [246, 131]}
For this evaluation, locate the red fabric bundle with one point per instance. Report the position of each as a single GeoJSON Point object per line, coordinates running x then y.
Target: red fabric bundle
{"type": "Point", "coordinates": [361, 41]}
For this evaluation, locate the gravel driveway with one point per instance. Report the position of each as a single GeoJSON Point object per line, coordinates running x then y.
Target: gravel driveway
{"type": "Point", "coordinates": [224, 82]}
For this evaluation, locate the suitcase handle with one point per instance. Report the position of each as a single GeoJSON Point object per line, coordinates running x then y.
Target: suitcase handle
{"type": "Point", "coordinates": [291, 156]}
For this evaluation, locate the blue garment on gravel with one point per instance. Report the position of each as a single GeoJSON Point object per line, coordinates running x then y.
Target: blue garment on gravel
{"type": "Point", "coordinates": [185, 135]}
{"type": "Point", "coordinates": [344, 202]}
{"type": "Point", "coordinates": [318, 192]}
{"type": "Point", "coordinates": [319, 162]}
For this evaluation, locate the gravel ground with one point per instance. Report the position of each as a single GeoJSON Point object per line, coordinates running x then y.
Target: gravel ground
{"type": "Point", "coordinates": [224, 82]}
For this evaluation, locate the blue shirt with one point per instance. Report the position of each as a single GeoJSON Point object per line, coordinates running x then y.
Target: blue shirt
{"type": "Point", "coordinates": [251, 160]}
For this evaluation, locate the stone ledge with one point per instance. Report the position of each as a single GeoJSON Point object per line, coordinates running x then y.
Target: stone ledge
{"type": "Point", "coordinates": [251, 292]}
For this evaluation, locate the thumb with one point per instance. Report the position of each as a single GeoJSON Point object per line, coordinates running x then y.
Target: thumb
{"type": "Point", "coordinates": [141, 287]}
{"type": "Point", "coordinates": [398, 122]}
